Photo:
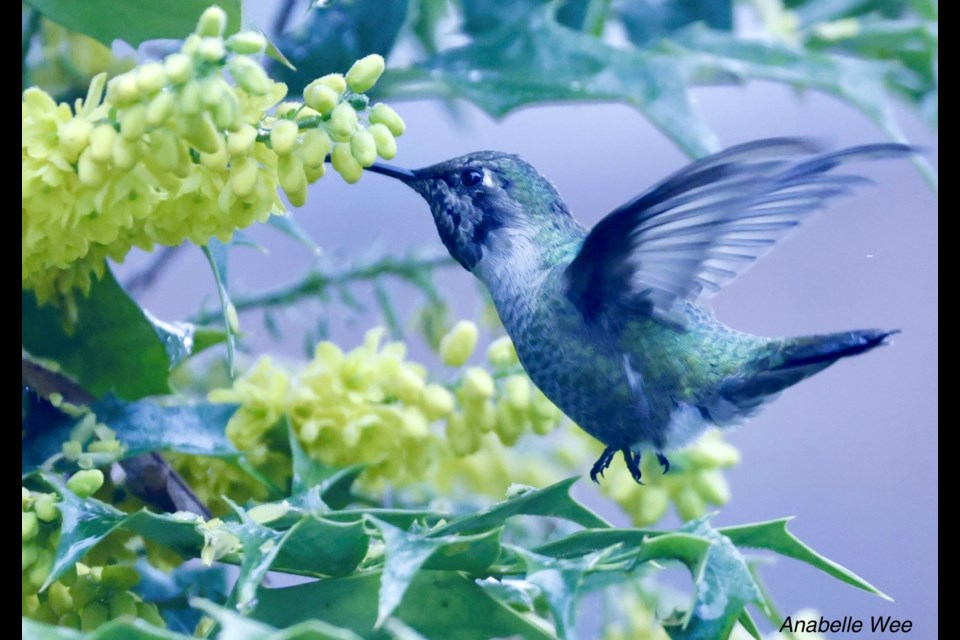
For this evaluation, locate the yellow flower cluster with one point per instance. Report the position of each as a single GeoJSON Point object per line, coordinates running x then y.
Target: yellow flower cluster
{"type": "Point", "coordinates": [174, 152]}
{"type": "Point", "coordinates": [372, 406]}
{"type": "Point", "coordinates": [86, 596]}
{"type": "Point", "coordinates": [695, 480]}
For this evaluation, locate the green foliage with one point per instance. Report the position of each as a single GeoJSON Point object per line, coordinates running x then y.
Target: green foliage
{"type": "Point", "coordinates": [133, 21]}
{"type": "Point", "coordinates": [391, 559]}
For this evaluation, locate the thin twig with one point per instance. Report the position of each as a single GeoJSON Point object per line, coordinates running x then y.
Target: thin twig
{"type": "Point", "coordinates": [318, 281]}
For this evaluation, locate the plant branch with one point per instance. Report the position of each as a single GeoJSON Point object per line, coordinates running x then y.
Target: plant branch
{"type": "Point", "coordinates": [411, 268]}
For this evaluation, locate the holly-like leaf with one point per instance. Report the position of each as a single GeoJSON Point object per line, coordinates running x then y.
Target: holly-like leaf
{"type": "Point", "coordinates": [237, 627]}
{"type": "Point", "coordinates": [143, 426]}
{"type": "Point", "coordinates": [260, 548]}
{"type": "Point", "coordinates": [437, 604]}
{"type": "Point", "coordinates": [133, 21]}
{"type": "Point", "coordinates": [559, 582]}
{"type": "Point", "coordinates": [114, 630]}
{"type": "Point", "coordinates": [322, 547]}
{"type": "Point", "coordinates": [406, 553]}
{"type": "Point", "coordinates": [554, 501]}
{"type": "Point", "coordinates": [109, 328]}
{"type": "Point", "coordinates": [723, 586]}
{"type": "Point", "coordinates": [774, 536]}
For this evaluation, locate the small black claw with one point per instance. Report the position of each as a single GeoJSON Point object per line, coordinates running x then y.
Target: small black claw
{"type": "Point", "coordinates": [662, 459]}
{"type": "Point", "coordinates": [601, 464]}
{"type": "Point", "coordinates": [633, 464]}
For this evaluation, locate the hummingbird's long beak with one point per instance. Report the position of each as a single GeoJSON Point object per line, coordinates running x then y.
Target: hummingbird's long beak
{"type": "Point", "coordinates": [401, 174]}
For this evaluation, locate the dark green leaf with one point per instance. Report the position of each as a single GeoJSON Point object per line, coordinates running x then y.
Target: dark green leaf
{"type": "Point", "coordinates": [331, 38]}
{"type": "Point", "coordinates": [322, 547]}
{"type": "Point", "coordinates": [643, 545]}
{"type": "Point", "coordinates": [406, 553]}
{"type": "Point", "coordinates": [85, 522]}
{"type": "Point", "coordinates": [649, 20]}
{"type": "Point", "coordinates": [773, 536]}
{"type": "Point", "coordinates": [747, 622]}
{"type": "Point", "coordinates": [142, 426]}
{"type": "Point", "coordinates": [260, 547]}
{"type": "Point", "coordinates": [237, 627]}
{"type": "Point", "coordinates": [436, 605]}
{"type": "Point", "coordinates": [133, 21]}
{"type": "Point", "coordinates": [554, 500]}
{"type": "Point", "coordinates": [109, 328]}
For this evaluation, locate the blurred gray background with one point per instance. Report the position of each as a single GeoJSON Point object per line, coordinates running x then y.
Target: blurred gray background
{"type": "Point", "coordinates": [852, 452]}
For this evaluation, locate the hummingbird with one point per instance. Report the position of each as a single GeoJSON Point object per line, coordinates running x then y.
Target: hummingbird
{"type": "Point", "coordinates": [610, 322]}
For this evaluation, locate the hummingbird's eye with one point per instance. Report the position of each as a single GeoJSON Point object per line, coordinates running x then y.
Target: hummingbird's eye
{"type": "Point", "coordinates": [471, 177]}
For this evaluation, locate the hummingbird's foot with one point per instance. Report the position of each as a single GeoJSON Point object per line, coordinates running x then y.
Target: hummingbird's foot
{"type": "Point", "coordinates": [602, 463]}
{"type": "Point", "coordinates": [662, 459]}
{"type": "Point", "coordinates": [633, 464]}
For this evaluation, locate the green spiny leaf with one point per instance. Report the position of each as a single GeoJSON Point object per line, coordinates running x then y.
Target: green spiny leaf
{"type": "Point", "coordinates": [109, 327]}
{"type": "Point", "coordinates": [134, 21]}
{"type": "Point", "coordinates": [774, 536]}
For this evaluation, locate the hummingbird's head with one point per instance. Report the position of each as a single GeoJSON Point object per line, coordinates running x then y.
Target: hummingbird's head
{"type": "Point", "coordinates": [482, 200]}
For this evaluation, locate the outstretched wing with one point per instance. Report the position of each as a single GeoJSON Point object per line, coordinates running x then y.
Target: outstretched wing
{"type": "Point", "coordinates": [697, 230]}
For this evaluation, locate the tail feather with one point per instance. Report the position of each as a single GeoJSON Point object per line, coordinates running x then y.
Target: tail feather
{"type": "Point", "coordinates": [793, 360]}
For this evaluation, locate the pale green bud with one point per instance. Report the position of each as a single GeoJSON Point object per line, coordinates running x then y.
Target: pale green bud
{"type": "Point", "coordinates": [211, 49]}
{"type": "Point", "coordinates": [189, 99]}
{"type": "Point", "coordinates": [148, 612]}
{"type": "Point", "coordinates": [463, 440]}
{"type": "Point", "coordinates": [58, 597]}
{"type": "Point", "coordinates": [120, 576]}
{"type": "Point", "coordinates": [226, 113]}
{"type": "Point", "coordinates": [241, 141]}
{"type": "Point", "coordinates": [125, 153]}
{"type": "Point", "coordinates": [74, 136]}
{"type": "Point", "coordinates": [123, 90]}
{"type": "Point", "coordinates": [386, 143]}
{"type": "Point", "coordinates": [178, 68]}
{"type": "Point", "coordinates": [133, 122]}
{"type": "Point", "coordinates": [477, 384]}
{"type": "Point", "coordinates": [689, 503]}
{"type": "Point", "coordinates": [315, 147]}
{"type": "Point", "coordinates": [712, 486]}
{"type": "Point", "coordinates": [160, 108]}
{"type": "Point", "coordinates": [243, 176]}
{"type": "Point", "coordinates": [233, 320]}
{"type": "Point", "coordinates": [85, 483]}
{"type": "Point", "coordinates": [212, 22]}
{"type": "Point", "coordinates": [335, 81]}
{"type": "Point", "coordinates": [481, 416]}
{"type": "Point", "coordinates": [163, 149]}
{"type": "Point", "coordinates": [29, 525]}
{"type": "Point", "coordinates": [246, 42]}
{"type": "Point", "coordinates": [457, 346]}
{"type": "Point", "coordinates": [90, 172]}
{"type": "Point", "coordinates": [92, 616]}
{"type": "Point", "coordinates": [203, 134]}
{"type": "Point", "coordinates": [249, 75]}
{"type": "Point", "coordinates": [151, 78]}
{"type": "Point", "coordinates": [510, 424]}
{"type": "Point", "coordinates": [363, 147]}
{"type": "Point", "coordinates": [123, 604]}
{"type": "Point", "coordinates": [652, 505]}
{"type": "Point", "coordinates": [101, 142]}
{"type": "Point", "coordinates": [70, 620]}
{"type": "Point", "coordinates": [501, 353]}
{"type": "Point", "coordinates": [365, 72]}
{"type": "Point", "coordinates": [517, 392]}
{"type": "Point", "coordinates": [320, 97]}
{"type": "Point", "coordinates": [436, 402]}
{"type": "Point", "coordinates": [343, 122]}
{"type": "Point", "coordinates": [292, 178]}
{"type": "Point", "coordinates": [283, 136]}
{"type": "Point", "coordinates": [345, 164]}
{"type": "Point", "coordinates": [46, 507]}
{"type": "Point", "coordinates": [383, 114]}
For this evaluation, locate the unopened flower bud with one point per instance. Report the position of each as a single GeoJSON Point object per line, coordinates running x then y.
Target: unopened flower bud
{"type": "Point", "coordinates": [283, 136]}
{"type": "Point", "coordinates": [383, 114]}
{"type": "Point", "coordinates": [246, 42]}
{"type": "Point", "coordinates": [345, 164]}
{"type": "Point", "coordinates": [85, 483]}
{"type": "Point", "coordinates": [457, 346]}
{"type": "Point", "coordinates": [384, 140]}
{"type": "Point", "coordinates": [365, 72]}
{"type": "Point", "coordinates": [363, 147]}
{"type": "Point", "coordinates": [343, 122]}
